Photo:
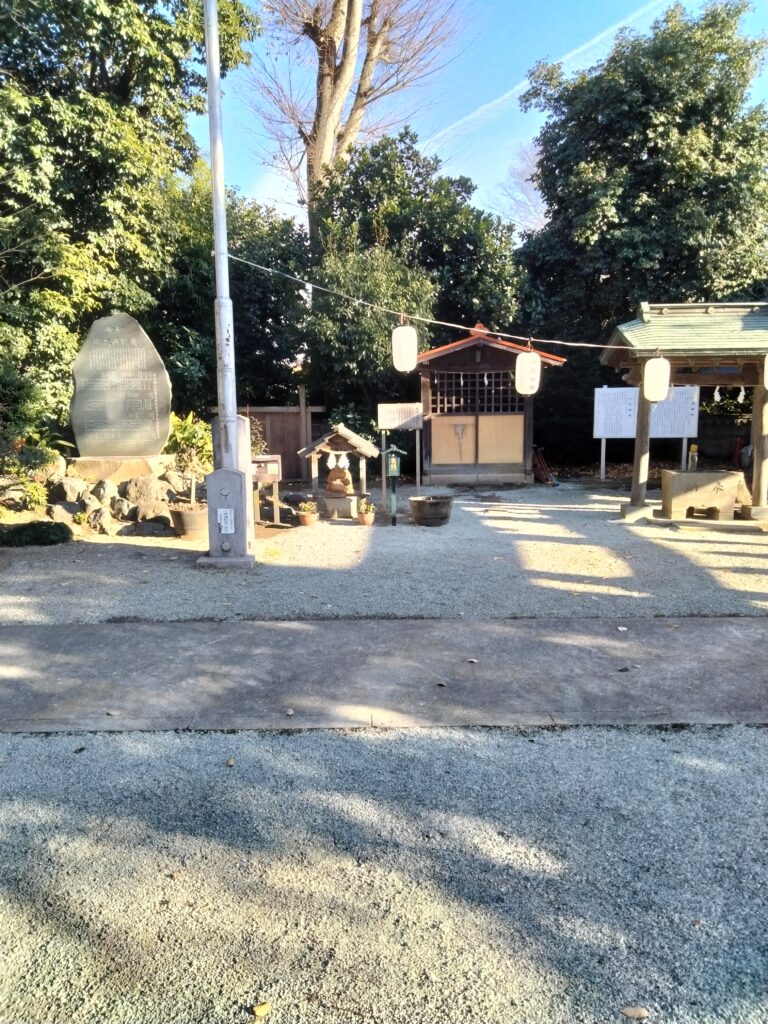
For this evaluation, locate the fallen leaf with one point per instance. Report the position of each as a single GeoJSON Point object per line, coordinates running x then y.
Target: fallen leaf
{"type": "Point", "coordinates": [112, 714]}
{"type": "Point", "coordinates": [697, 922]}
{"type": "Point", "coordinates": [289, 712]}
{"type": "Point", "coordinates": [262, 1009]}
{"type": "Point", "coordinates": [635, 1012]}
{"type": "Point", "coordinates": [230, 762]}
{"type": "Point", "coordinates": [174, 875]}
{"type": "Point", "coordinates": [165, 903]}
{"type": "Point", "coordinates": [78, 750]}
{"type": "Point", "coordinates": [622, 629]}
{"type": "Point", "coordinates": [472, 661]}
{"type": "Point", "coordinates": [625, 669]}
{"type": "Point", "coordinates": [441, 684]}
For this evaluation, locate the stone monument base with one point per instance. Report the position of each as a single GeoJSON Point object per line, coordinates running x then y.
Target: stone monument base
{"type": "Point", "coordinates": [341, 506]}
{"type": "Point", "coordinates": [93, 468]}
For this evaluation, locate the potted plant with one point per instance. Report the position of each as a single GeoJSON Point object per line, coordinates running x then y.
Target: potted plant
{"type": "Point", "coordinates": [308, 514]}
{"type": "Point", "coordinates": [192, 445]}
{"type": "Point", "coordinates": [366, 512]}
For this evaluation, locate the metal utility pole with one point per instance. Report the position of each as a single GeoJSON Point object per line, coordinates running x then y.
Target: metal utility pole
{"type": "Point", "coordinates": [228, 487]}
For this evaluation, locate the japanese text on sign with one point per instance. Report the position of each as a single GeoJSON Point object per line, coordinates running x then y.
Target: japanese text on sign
{"type": "Point", "coordinates": [616, 413]}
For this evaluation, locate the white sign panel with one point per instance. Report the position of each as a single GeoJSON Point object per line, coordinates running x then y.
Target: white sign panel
{"type": "Point", "coordinates": [401, 416]}
{"type": "Point", "coordinates": [226, 520]}
{"type": "Point", "coordinates": [616, 413]}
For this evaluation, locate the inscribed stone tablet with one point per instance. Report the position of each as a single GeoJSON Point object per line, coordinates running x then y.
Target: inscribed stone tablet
{"type": "Point", "coordinates": [122, 400]}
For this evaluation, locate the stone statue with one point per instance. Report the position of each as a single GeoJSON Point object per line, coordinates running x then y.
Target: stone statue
{"type": "Point", "coordinates": [339, 481]}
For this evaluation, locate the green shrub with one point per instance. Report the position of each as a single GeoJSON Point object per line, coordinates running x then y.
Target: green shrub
{"type": "Point", "coordinates": [23, 534]}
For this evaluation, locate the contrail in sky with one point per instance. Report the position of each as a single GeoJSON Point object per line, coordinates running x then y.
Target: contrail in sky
{"type": "Point", "coordinates": [489, 110]}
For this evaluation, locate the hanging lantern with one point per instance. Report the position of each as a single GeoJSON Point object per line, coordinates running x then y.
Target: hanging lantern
{"type": "Point", "coordinates": [405, 347]}
{"type": "Point", "coordinates": [331, 461]}
{"type": "Point", "coordinates": [656, 373]}
{"type": "Point", "coordinates": [527, 373]}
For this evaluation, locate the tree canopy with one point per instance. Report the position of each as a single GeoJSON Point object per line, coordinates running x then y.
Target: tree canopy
{"type": "Point", "coordinates": [389, 194]}
{"type": "Point", "coordinates": [93, 97]}
{"type": "Point", "coordinates": [652, 166]}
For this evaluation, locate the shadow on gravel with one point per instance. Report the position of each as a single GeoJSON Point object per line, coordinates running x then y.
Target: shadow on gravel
{"type": "Point", "coordinates": [385, 876]}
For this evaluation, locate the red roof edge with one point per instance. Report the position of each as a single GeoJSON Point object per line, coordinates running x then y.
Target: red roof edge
{"type": "Point", "coordinates": [481, 333]}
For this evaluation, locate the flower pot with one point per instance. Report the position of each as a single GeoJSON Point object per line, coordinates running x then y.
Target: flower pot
{"type": "Point", "coordinates": [431, 510]}
{"type": "Point", "coordinates": [308, 518]}
{"type": "Point", "coordinates": [366, 518]}
{"type": "Point", "coordinates": [191, 523]}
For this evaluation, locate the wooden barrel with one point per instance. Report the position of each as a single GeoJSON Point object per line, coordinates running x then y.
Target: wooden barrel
{"type": "Point", "coordinates": [431, 510]}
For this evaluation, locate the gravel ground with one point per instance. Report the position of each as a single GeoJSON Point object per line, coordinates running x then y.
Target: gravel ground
{"type": "Point", "coordinates": [398, 877]}
{"type": "Point", "coordinates": [531, 552]}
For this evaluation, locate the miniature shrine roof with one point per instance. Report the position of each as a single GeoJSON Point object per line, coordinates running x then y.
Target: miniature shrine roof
{"type": "Point", "coordinates": [691, 332]}
{"type": "Point", "coordinates": [479, 335]}
{"type": "Point", "coordinates": [341, 439]}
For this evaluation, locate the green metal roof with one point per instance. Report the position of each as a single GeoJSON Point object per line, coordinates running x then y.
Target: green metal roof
{"type": "Point", "coordinates": [698, 330]}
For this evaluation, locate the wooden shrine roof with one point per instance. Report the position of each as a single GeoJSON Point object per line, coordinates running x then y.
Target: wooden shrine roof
{"type": "Point", "coordinates": [691, 333]}
{"type": "Point", "coordinates": [341, 439]}
{"type": "Point", "coordinates": [479, 335]}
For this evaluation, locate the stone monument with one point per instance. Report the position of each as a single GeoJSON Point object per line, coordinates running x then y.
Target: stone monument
{"type": "Point", "coordinates": [121, 407]}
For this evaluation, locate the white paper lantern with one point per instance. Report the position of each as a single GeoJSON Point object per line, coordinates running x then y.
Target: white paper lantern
{"type": "Point", "coordinates": [405, 348]}
{"type": "Point", "coordinates": [656, 374]}
{"type": "Point", "coordinates": [527, 373]}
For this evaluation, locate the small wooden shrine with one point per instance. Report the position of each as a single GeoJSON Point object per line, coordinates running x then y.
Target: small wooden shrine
{"type": "Point", "coordinates": [340, 495]}
{"type": "Point", "coordinates": [477, 428]}
{"type": "Point", "coordinates": [721, 344]}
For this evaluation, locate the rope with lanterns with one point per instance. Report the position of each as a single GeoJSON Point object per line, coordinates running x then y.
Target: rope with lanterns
{"type": "Point", "coordinates": [527, 373]}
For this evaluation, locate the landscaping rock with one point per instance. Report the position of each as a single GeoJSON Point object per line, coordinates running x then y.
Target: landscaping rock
{"type": "Point", "coordinates": [105, 491]}
{"type": "Point", "coordinates": [154, 528]}
{"type": "Point", "coordinates": [123, 509]}
{"type": "Point", "coordinates": [142, 489]}
{"type": "Point", "coordinates": [71, 488]}
{"type": "Point", "coordinates": [62, 511]}
{"type": "Point", "coordinates": [101, 520]}
{"type": "Point", "coordinates": [153, 512]}
{"type": "Point", "coordinates": [89, 503]}
{"type": "Point", "coordinates": [176, 481]}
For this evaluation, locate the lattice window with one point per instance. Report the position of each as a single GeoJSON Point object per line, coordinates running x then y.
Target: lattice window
{"type": "Point", "coordinates": [470, 393]}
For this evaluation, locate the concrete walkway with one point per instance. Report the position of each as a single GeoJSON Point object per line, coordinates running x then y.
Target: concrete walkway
{"type": "Point", "coordinates": [320, 674]}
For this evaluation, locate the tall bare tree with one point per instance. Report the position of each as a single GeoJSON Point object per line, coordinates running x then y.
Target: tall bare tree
{"type": "Point", "coordinates": [330, 61]}
{"type": "Point", "coordinates": [523, 204]}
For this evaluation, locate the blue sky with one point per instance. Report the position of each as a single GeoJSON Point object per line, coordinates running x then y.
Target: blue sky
{"type": "Point", "coordinates": [469, 113]}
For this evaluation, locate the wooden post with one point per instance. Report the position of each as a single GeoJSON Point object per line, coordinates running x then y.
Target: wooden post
{"type": "Point", "coordinates": [684, 456]}
{"type": "Point", "coordinates": [642, 450]}
{"type": "Point", "coordinates": [363, 471]}
{"type": "Point", "coordinates": [418, 461]}
{"type": "Point", "coordinates": [276, 503]}
{"type": "Point", "coordinates": [304, 437]}
{"type": "Point", "coordinates": [602, 457]}
{"type": "Point", "coordinates": [760, 447]}
{"type": "Point", "coordinates": [528, 437]}
{"type": "Point", "coordinates": [315, 459]}
{"type": "Point", "coordinates": [383, 470]}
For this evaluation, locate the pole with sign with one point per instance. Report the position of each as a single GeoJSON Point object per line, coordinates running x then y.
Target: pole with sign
{"type": "Point", "coordinates": [229, 488]}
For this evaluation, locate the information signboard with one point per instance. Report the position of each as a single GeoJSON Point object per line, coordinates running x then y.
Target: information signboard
{"type": "Point", "coordinates": [401, 416]}
{"type": "Point", "coordinates": [616, 413]}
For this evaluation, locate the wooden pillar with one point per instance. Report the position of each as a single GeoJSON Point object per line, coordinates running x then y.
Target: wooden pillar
{"type": "Point", "coordinates": [363, 479]}
{"type": "Point", "coordinates": [315, 460]}
{"type": "Point", "coordinates": [528, 437]}
{"type": "Point", "coordinates": [305, 436]}
{"type": "Point", "coordinates": [642, 450]}
{"type": "Point", "coordinates": [760, 447]}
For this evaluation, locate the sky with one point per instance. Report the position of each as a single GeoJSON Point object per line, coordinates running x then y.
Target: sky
{"type": "Point", "coordinates": [468, 113]}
